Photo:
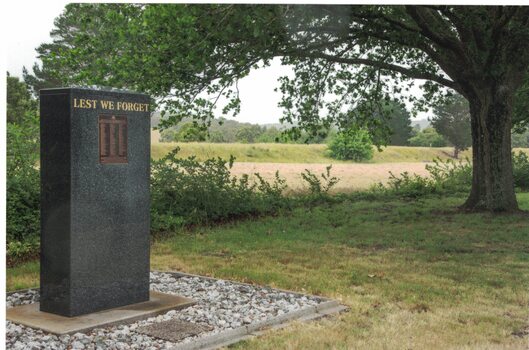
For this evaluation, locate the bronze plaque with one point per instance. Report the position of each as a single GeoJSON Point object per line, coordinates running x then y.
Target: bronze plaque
{"type": "Point", "coordinates": [112, 139]}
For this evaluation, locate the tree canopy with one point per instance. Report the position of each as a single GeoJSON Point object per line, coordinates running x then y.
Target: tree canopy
{"type": "Point", "coordinates": [399, 123]}
{"type": "Point", "coordinates": [189, 56]}
{"type": "Point", "coordinates": [19, 101]}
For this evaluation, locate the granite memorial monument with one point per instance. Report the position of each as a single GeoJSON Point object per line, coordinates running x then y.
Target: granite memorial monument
{"type": "Point", "coordinates": [95, 163]}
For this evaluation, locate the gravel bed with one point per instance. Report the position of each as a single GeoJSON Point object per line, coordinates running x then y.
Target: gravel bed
{"type": "Point", "coordinates": [221, 304]}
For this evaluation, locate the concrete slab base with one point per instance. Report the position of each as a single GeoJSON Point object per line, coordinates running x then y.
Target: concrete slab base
{"type": "Point", "coordinates": [31, 316]}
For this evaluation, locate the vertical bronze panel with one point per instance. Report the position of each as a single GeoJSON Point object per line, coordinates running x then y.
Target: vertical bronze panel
{"type": "Point", "coordinates": [102, 139]}
{"type": "Point", "coordinates": [112, 139]}
{"type": "Point", "coordinates": [113, 145]}
{"type": "Point", "coordinates": [122, 144]}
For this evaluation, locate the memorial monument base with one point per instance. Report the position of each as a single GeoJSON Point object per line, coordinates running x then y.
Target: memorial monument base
{"type": "Point", "coordinates": [31, 316]}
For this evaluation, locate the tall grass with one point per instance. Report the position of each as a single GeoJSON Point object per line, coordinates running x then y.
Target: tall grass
{"type": "Point", "coordinates": [295, 153]}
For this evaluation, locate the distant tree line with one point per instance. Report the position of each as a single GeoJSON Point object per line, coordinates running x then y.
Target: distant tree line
{"type": "Point", "coordinates": [449, 126]}
{"type": "Point", "coordinates": [230, 131]}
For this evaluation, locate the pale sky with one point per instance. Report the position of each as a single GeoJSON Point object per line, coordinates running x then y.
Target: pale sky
{"type": "Point", "coordinates": [29, 25]}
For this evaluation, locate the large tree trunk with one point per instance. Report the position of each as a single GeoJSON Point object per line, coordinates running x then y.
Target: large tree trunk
{"type": "Point", "coordinates": [492, 181]}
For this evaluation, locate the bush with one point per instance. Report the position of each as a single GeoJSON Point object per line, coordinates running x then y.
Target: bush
{"type": "Point", "coordinates": [351, 144]}
{"type": "Point", "coordinates": [185, 191]}
{"type": "Point", "coordinates": [23, 189]}
{"type": "Point", "coordinates": [448, 177]}
{"type": "Point", "coordinates": [319, 186]}
{"type": "Point", "coordinates": [521, 170]}
{"type": "Point", "coordinates": [20, 251]}
{"type": "Point", "coordinates": [445, 177]}
{"type": "Point", "coordinates": [428, 138]}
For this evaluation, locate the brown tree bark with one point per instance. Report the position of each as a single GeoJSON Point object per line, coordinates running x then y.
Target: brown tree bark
{"type": "Point", "coordinates": [492, 180]}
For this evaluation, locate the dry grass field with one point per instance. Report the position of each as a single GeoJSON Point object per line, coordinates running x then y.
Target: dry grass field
{"type": "Point", "coordinates": [292, 159]}
{"type": "Point", "coordinates": [352, 176]}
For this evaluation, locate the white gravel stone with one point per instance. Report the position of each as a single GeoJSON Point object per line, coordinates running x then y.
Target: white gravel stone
{"type": "Point", "coordinates": [222, 305]}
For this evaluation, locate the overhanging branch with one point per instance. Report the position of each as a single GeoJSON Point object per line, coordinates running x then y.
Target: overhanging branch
{"type": "Point", "coordinates": [409, 72]}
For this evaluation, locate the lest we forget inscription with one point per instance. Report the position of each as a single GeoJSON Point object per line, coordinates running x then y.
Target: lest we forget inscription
{"type": "Point", "coordinates": [95, 163]}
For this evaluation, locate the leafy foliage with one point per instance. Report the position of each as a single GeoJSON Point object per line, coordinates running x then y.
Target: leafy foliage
{"type": "Point", "coordinates": [447, 177]}
{"type": "Point", "coordinates": [427, 138]}
{"type": "Point", "coordinates": [319, 186]}
{"type": "Point", "coordinates": [521, 106]}
{"type": "Point", "coordinates": [222, 130]}
{"type": "Point", "coordinates": [399, 122]}
{"type": "Point", "coordinates": [520, 139]}
{"type": "Point", "coordinates": [351, 144]}
{"type": "Point", "coordinates": [345, 60]}
{"type": "Point", "coordinates": [23, 186]}
{"type": "Point", "coordinates": [271, 134]}
{"type": "Point", "coordinates": [249, 134]}
{"type": "Point", "coordinates": [444, 177]}
{"type": "Point", "coordinates": [186, 191]}
{"type": "Point", "coordinates": [19, 100]}
{"type": "Point", "coordinates": [521, 170]}
{"type": "Point", "coordinates": [188, 132]}
{"type": "Point", "coordinates": [452, 120]}
{"type": "Point", "coordinates": [352, 52]}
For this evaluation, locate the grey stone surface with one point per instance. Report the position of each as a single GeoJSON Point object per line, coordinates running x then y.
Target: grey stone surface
{"type": "Point", "coordinates": [94, 217]}
{"type": "Point", "coordinates": [173, 330]}
{"type": "Point", "coordinates": [233, 310]}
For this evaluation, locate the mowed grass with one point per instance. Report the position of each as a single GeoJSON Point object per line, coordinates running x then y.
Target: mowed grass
{"type": "Point", "coordinates": [296, 153]}
{"type": "Point", "coordinates": [415, 274]}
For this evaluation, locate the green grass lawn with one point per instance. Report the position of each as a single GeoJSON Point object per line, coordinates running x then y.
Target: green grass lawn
{"type": "Point", "coordinates": [415, 274]}
{"type": "Point", "coordinates": [294, 153]}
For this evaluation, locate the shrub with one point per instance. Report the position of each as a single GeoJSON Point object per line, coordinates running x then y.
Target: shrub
{"type": "Point", "coordinates": [521, 170]}
{"type": "Point", "coordinates": [351, 144]}
{"type": "Point", "coordinates": [20, 251]}
{"type": "Point", "coordinates": [23, 188]}
{"type": "Point", "coordinates": [450, 175]}
{"type": "Point", "coordinates": [428, 138]}
{"type": "Point", "coordinates": [319, 186]}
{"type": "Point", "coordinates": [445, 177]}
{"type": "Point", "coordinates": [185, 191]}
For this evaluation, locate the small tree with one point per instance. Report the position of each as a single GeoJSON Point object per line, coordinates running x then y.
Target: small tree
{"type": "Point", "coordinates": [452, 120]}
{"type": "Point", "coordinates": [352, 144]}
{"type": "Point", "coordinates": [399, 123]}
